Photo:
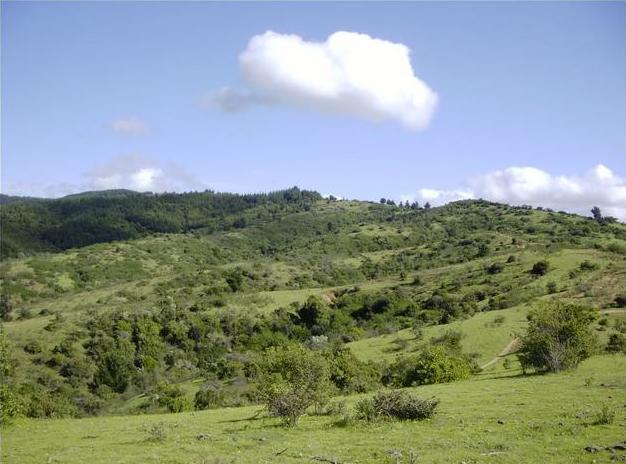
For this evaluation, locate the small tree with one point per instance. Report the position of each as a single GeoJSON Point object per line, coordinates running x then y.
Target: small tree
{"type": "Point", "coordinates": [597, 213]}
{"type": "Point", "coordinates": [291, 380]}
{"type": "Point", "coordinates": [559, 337]}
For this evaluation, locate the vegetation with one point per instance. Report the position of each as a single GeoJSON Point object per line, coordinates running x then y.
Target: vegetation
{"type": "Point", "coordinates": [559, 337]}
{"type": "Point", "coordinates": [396, 404]}
{"type": "Point", "coordinates": [287, 300]}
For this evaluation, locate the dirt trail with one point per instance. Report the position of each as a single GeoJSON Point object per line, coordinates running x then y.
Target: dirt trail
{"type": "Point", "coordinates": [612, 311]}
{"type": "Point", "coordinates": [510, 348]}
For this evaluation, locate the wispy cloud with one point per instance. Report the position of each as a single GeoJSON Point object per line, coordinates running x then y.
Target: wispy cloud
{"type": "Point", "coordinates": [528, 185]}
{"type": "Point", "coordinates": [130, 127]}
{"type": "Point", "coordinates": [349, 73]}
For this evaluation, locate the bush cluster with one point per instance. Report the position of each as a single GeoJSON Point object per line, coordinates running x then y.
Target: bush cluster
{"type": "Point", "coordinates": [396, 404]}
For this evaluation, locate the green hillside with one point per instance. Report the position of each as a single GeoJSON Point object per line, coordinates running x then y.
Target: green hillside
{"type": "Point", "coordinates": [181, 318]}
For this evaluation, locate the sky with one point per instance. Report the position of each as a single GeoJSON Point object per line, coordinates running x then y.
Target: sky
{"type": "Point", "coordinates": [519, 102]}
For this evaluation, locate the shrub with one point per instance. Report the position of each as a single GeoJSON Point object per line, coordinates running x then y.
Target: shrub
{"type": "Point", "coordinates": [292, 379]}
{"type": "Point", "coordinates": [396, 404]}
{"type": "Point", "coordinates": [172, 397]}
{"type": "Point", "coordinates": [431, 365]}
{"type": "Point", "coordinates": [605, 416]}
{"type": "Point", "coordinates": [551, 287]}
{"type": "Point", "coordinates": [540, 268]}
{"type": "Point", "coordinates": [349, 374]}
{"type": "Point", "coordinates": [157, 432]}
{"type": "Point", "coordinates": [620, 301]}
{"type": "Point", "coordinates": [559, 337]}
{"type": "Point", "coordinates": [587, 265]}
{"type": "Point", "coordinates": [11, 405]}
{"type": "Point", "coordinates": [495, 268]}
{"type": "Point", "coordinates": [209, 396]}
{"type": "Point", "coordinates": [617, 343]}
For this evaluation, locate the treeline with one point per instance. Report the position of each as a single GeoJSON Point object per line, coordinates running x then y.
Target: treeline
{"type": "Point", "coordinates": [77, 221]}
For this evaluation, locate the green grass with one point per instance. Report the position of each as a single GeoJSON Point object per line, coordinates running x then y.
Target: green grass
{"type": "Point", "coordinates": [523, 419]}
{"type": "Point", "coordinates": [480, 335]}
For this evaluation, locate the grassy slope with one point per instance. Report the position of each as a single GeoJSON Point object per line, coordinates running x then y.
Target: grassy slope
{"type": "Point", "coordinates": [465, 429]}
{"type": "Point", "coordinates": [480, 335]}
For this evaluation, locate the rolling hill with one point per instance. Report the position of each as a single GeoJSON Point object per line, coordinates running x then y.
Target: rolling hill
{"type": "Point", "coordinates": [114, 303]}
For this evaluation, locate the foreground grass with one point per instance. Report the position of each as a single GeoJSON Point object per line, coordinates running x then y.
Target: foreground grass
{"type": "Point", "coordinates": [515, 419]}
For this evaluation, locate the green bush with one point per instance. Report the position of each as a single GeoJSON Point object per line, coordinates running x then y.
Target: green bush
{"type": "Point", "coordinates": [605, 416]}
{"type": "Point", "coordinates": [11, 405]}
{"type": "Point", "coordinates": [540, 268]}
{"type": "Point", "coordinates": [351, 375]}
{"type": "Point", "coordinates": [431, 365]}
{"type": "Point", "coordinates": [172, 397]}
{"type": "Point", "coordinates": [209, 396]}
{"type": "Point", "coordinates": [396, 404]}
{"type": "Point", "coordinates": [559, 337]}
{"type": "Point", "coordinates": [292, 379]}
{"type": "Point", "coordinates": [617, 343]}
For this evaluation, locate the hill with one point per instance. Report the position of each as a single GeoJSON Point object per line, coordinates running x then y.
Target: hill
{"type": "Point", "coordinates": [78, 220]}
{"type": "Point", "coordinates": [172, 321]}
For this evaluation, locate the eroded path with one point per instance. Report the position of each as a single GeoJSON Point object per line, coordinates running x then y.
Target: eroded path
{"type": "Point", "coordinates": [510, 348]}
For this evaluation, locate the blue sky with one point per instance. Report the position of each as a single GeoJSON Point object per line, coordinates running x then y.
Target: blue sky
{"type": "Point", "coordinates": [90, 89]}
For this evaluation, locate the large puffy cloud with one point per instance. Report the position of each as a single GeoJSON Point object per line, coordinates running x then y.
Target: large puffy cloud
{"type": "Point", "coordinates": [350, 73]}
{"type": "Point", "coordinates": [529, 185]}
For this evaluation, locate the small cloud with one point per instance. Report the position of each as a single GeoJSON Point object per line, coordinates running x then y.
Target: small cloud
{"type": "Point", "coordinates": [130, 127]}
{"type": "Point", "coordinates": [138, 172]}
{"type": "Point", "coordinates": [349, 73]}
{"type": "Point", "coordinates": [530, 185]}
{"type": "Point", "coordinates": [129, 171]}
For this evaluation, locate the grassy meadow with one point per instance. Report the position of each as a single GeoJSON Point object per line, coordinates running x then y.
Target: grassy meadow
{"type": "Point", "coordinates": [503, 419]}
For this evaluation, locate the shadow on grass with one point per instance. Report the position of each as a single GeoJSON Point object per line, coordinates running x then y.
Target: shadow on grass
{"type": "Point", "coordinates": [256, 416]}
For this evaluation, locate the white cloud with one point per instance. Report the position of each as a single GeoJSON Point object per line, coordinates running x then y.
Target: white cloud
{"type": "Point", "coordinates": [350, 73]}
{"type": "Point", "coordinates": [137, 172]}
{"type": "Point", "coordinates": [130, 126]}
{"type": "Point", "coordinates": [529, 185]}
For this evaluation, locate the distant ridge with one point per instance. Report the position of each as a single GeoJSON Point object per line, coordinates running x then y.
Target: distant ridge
{"type": "Point", "coordinates": [113, 193]}
{"type": "Point", "coordinates": [9, 199]}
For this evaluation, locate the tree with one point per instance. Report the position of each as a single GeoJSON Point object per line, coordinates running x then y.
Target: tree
{"type": "Point", "coordinates": [427, 205]}
{"type": "Point", "coordinates": [383, 200]}
{"type": "Point", "coordinates": [559, 337]}
{"type": "Point", "coordinates": [597, 213]}
{"type": "Point", "coordinates": [292, 379]}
